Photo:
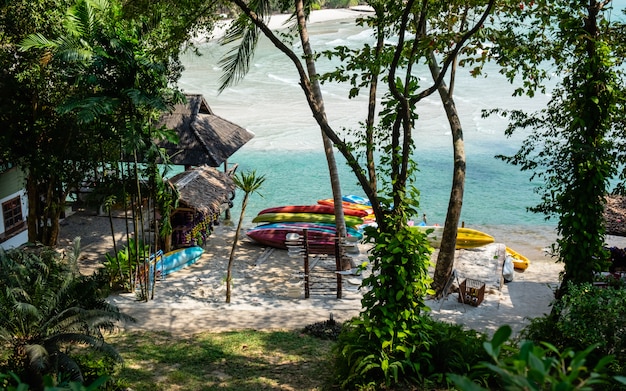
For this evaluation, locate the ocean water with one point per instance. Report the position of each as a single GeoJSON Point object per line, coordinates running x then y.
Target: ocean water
{"type": "Point", "coordinates": [287, 146]}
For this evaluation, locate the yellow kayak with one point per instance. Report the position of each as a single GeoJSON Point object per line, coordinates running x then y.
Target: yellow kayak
{"type": "Point", "coordinates": [519, 261]}
{"type": "Point", "coordinates": [465, 237]}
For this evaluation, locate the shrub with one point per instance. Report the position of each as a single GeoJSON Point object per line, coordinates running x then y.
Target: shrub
{"type": "Point", "coordinates": [539, 367]}
{"type": "Point", "coordinates": [450, 349]}
{"type": "Point", "coordinates": [47, 309]}
{"type": "Point", "coordinates": [12, 382]}
{"type": "Point", "coordinates": [587, 315]}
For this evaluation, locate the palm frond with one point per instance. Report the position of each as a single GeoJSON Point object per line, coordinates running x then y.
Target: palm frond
{"type": "Point", "coordinates": [236, 63]}
{"type": "Point", "coordinates": [88, 110]}
{"type": "Point", "coordinates": [36, 41]}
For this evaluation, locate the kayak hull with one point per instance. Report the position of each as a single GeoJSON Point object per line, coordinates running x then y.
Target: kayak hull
{"type": "Point", "coordinates": [520, 262]}
{"type": "Point", "coordinates": [352, 221]}
{"type": "Point", "coordinates": [319, 208]}
{"type": "Point", "coordinates": [465, 237]}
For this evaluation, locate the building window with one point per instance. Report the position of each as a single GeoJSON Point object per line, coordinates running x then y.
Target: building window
{"type": "Point", "coordinates": [12, 214]}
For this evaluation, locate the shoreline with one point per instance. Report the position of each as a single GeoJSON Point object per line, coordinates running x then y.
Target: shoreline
{"type": "Point", "coordinates": [277, 21]}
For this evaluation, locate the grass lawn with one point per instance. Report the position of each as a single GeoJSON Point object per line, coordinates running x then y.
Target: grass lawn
{"type": "Point", "coordinates": [244, 360]}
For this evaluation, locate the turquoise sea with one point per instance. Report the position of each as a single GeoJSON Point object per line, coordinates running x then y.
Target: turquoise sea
{"type": "Point", "coordinates": [287, 146]}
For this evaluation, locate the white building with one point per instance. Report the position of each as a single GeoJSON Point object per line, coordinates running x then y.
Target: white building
{"type": "Point", "coordinates": [13, 228]}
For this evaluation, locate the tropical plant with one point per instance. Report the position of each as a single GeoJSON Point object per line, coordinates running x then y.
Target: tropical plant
{"type": "Point", "coordinates": [539, 367]}
{"type": "Point", "coordinates": [575, 146]}
{"type": "Point", "coordinates": [47, 310]}
{"type": "Point", "coordinates": [42, 142]}
{"type": "Point", "coordinates": [448, 348]}
{"type": "Point", "coordinates": [12, 382]}
{"type": "Point", "coordinates": [120, 86]}
{"type": "Point", "coordinates": [249, 183]}
{"type": "Point", "coordinates": [588, 315]}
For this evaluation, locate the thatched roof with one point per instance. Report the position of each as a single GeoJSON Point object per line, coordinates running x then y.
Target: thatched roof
{"type": "Point", "coordinates": [203, 189]}
{"type": "Point", "coordinates": [205, 138]}
{"type": "Point", "coordinates": [615, 215]}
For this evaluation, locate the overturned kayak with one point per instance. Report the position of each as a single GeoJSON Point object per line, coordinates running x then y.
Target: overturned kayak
{"type": "Point", "coordinates": [465, 237]}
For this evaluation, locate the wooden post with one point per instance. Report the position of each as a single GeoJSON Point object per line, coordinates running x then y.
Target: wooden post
{"type": "Point", "coordinates": [306, 263]}
{"type": "Point", "coordinates": [338, 266]}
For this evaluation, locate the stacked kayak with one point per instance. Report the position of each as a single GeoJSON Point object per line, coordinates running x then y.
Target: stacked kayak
{"type": "Point", "coordinates": [308, 217]}
{"type": "Point", "coordinates": [275, 234]}
{"type": "Point", "coordinates": [354, 203]}
{"type": "Point", "coordinates": [318, 219]}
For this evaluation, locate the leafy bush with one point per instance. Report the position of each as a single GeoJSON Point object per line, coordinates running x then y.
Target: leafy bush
{"type": "Point", "coordinates": [587, 315]}
{"type": "Point", "coordinates": [539, 367]}
{"type": "Point", "coordinates": [450, 349]}
{"type": "Point", "coordinates": [47, 309]}
{"type": "Point", "coordinates": [12, 382]}
{"type": "Point", "coordinates": [379, 345]}
{"type": "Point", "coordinates": [123, 267]}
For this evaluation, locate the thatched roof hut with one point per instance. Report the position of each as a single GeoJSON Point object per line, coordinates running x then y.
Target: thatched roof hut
{"type": "Point", "coordinates": [204, 138]}
{"type": "Point", "coordinates": [204, 192]}
{"type": "Point", "coordinates": [203, 189]}
{"type": "Point", "coordinates": [615, 215]}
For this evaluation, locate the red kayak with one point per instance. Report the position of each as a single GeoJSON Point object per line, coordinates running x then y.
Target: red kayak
{"type": "Point", "coordinates": [319, 208]}
{"type": "Point", "coordinates": [320, 242]}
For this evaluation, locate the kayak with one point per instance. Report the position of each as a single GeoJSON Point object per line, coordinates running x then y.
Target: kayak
{"type": "Point", "coordinates": [348, 205]}
{"type": "Point", "coordinates": [519, 261]}
{"type": "Point", "coordinates": [276, 237]}
{"type": "Point", "coordinates": [318, 208]}
{"type": "Point", "coordinates": [465, 237]}
{"type": "Point", "coordinates": [298, 227]}
{"type": "Point", "coordinates": [320, 241]}
{"type": "Point", "coordinates": [352, 221]}
{"type": "Point", "coordinates": [169, 262]}
{"type": "Point", "coordinates": [355, 199]}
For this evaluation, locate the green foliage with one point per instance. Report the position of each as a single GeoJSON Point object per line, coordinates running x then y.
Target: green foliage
{"type": "Point", "coordinates": [47, 310]}
{"type": "Point", "coordinates": [575, 147]}
{"type": "Point", "coordinates": [587, 315]}
{"type": "Point", "coordinates": [451, 349]}
{"type": "Point", "coordinates": [12, 382]}
{"type": "Point", "coordinates": [538, 367]}
{"type": "Point", "coordinates": [122, 269]}
{"type": "Point", "coordinates": [378, 346]}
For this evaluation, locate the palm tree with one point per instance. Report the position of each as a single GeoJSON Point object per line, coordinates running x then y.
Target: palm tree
{"type": "Point", "coordinates": [47, 309]}
{"type": "Point", "coordinates": [237, 63]}
{"type": "Point", "coordinates": [249, 183]}
{"type": "Point", "coordinates": [118, 84]}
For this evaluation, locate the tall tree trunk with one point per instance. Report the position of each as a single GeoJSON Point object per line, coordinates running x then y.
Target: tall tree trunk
{"type": "Point", "coordinates": [231, 258]}
{"type": "Point", "coordinates": [447, 251]}
{"type": "Point", "coordinates": [328, 145]}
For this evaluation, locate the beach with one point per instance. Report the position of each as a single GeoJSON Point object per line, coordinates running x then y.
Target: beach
{"type": "Point", "coordinates": [268, 290]}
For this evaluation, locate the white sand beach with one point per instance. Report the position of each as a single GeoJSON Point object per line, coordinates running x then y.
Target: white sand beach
{"type": "Point", "coordinates": [268, 290]}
